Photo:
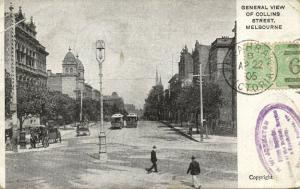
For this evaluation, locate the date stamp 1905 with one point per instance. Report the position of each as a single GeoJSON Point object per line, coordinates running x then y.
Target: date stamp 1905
{"type": "Point", "coordinates": [260, 67]}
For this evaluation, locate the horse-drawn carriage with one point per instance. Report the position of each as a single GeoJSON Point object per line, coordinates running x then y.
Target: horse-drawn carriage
{"type": "Point", "coordinates": [39, 135]}
{"type": "Point", "coordinates": [54, 134]}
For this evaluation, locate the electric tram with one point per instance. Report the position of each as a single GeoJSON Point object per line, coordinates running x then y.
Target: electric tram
{"type": "Point", "coordinates": [117, 121]}
{"type": "Point", "coordinates": [131, 120]}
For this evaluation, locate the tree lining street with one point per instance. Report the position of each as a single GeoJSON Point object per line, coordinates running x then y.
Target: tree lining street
{"type": "Point", "coordinates": [71, 164]}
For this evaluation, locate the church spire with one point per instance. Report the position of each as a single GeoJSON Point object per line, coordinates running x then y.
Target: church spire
{"type": "Point", "coordinates": [160, 83]}
{"type": "Point", "coordinates": [156, 78]}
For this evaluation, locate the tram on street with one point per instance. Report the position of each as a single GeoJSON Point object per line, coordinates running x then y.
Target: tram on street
{"type": "Point", "coordinates": [131, 120]}
{"type": "Point", "coordinates": [117, 121]}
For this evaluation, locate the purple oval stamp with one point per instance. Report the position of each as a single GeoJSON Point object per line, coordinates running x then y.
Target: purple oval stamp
{"type": "Point", "coordinates": [277, 138]}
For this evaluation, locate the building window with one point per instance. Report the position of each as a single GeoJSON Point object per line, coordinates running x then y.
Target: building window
{"type": "Point", "coordinates": [67, 70]}
{"type": "Point", "coordinates": [71, 70]}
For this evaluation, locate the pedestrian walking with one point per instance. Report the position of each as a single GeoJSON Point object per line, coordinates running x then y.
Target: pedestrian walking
{"type": "Point", "coordinates": [194, 170]}
{"type": "Point", "coordinates": [153, 160]}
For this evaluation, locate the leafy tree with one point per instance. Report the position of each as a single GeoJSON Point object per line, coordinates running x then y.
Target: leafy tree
{"type": "Point", "coordinates": [61, 106]}
{"type": "Point", "coordinates": [31, 101]}
{"type": "Point", "coordinates": [189, 100]}
{"type": "Point", "coordinates": [212, 100]}
{"type": "Point", "coordinates": [90, 109]}
{"type": "Point", "coordinates": [154, 103]}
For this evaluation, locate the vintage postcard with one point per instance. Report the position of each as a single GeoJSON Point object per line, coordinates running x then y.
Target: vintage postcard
{"type": "Point", "coordinates": [150, 94]}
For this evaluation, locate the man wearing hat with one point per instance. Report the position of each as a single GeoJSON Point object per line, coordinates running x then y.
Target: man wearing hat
{"type": "Point", "coordinates": [153, 160]}
{"type": "Point", "coordinates": [194, 169]}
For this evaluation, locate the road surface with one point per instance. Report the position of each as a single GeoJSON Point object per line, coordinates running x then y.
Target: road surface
{"type": "Point", "coordinates": [71, 164]}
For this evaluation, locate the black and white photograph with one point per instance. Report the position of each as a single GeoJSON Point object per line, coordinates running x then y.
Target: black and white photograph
{"type": "Point", "coordinates": [121, 94]}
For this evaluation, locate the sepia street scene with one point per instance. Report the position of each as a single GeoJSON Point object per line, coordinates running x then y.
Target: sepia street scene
{"type": "Point", "coordinates": [120, 94]}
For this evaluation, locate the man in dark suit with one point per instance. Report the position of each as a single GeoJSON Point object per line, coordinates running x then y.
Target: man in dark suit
{"type": "Point", "coordinates": [194, 169]}
{"type": "Point", "coordinates": [153, 160]}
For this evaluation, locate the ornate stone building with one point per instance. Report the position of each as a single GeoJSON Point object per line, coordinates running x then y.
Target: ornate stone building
{"type": "Point", "coordinates": [185, 66]}
{"type": "Point", "coordinates": [221, 52]}
{"type": "Point", "coordinates": [23, 49]}
{"type": "Point", "coordinates": [71, 80]}
{"type": "Point", "coordinates": [200, 55]}
{"type": "Point", "coordinates": [25, 57]}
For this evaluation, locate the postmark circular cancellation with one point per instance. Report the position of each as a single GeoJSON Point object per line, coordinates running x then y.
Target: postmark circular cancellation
{"type": "Point", "coordinates": [255, 72]}
{"type": "Point", "coordinates": [277, 138]}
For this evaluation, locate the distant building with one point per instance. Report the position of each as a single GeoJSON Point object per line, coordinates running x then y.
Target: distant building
{"type": "Point", "coordinates": [221, 52]}
{"type": "Point", "coordinates": [88, 91]}
{"type": "Point", "coordinates": [129, 107]}
{"type": "Point", "coordinates": [71, 80]}
{"type": "Point", "coordinates": [174, 82]}
{"type": "Point", "coordinates": [114, 100]}
{"type": "Point", "coordinates": [186, 66]}
{"type": "Point", "coordinates": [96, 95]}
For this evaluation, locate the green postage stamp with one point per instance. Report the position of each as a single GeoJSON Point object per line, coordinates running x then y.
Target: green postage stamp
{"type": "Point", "coordinates": [272, 66]}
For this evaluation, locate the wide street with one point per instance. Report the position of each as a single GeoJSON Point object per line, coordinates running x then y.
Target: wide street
{"type": "Point", "coordinates": [71, 164]}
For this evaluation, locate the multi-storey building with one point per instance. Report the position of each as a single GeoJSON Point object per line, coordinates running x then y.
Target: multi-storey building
{"type": "Point", "coordinates": [24, 50]}
{"type": "Point", "coordinates": [185, 66]}
{"type": "Point", "coordinates": [200, 55]}
{"type": "Point", "coordinates": [25, 57]}
{"type": "Point", "coordinates": [221, 52]}
{"type": "Point", "coordinates": [71, 80]}
{"type": "Point", "coordinates": [96, 95]}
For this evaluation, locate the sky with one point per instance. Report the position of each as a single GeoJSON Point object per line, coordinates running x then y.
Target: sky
{"type": "Point", "coordinates": [149, 34]}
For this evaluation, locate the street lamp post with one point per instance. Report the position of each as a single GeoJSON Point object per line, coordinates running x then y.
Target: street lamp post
{"type": "Point", "coordinates": [100, 57]}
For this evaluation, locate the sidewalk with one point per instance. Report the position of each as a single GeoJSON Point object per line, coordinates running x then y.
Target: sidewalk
{"type": "Point", "coordinates": [197, 138]}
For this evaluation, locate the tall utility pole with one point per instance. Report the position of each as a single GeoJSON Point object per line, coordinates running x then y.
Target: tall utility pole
{"type": "Point", "coordinates": [201, 103]}
{"type": "Point", "coordinates": [100, 57]}
{"type": "Point", "coordinates": [81, 93]}
{"type": "Point", "coordinates": [201, 100]}
{"type": "Point", "coordinates": [12, 60]}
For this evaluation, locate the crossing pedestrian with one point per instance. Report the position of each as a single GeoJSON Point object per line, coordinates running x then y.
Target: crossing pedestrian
{"type": "Point", "coordinates": [153, 160]}
{"type": "Point", "coordinates": [194, 170]}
